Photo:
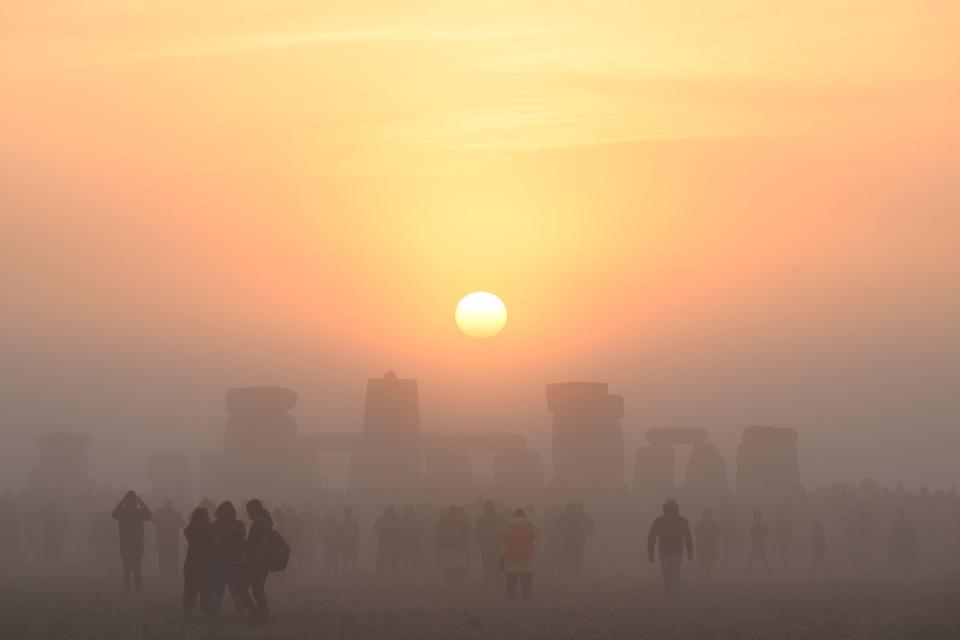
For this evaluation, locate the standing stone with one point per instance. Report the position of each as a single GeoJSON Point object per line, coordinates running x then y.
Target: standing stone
{"type": "Point", "coordinates": [387, 460]}
{"type": "Point", "coordinates": [587, 439]}
{"type": "Point", "coordinates": [705, 482]}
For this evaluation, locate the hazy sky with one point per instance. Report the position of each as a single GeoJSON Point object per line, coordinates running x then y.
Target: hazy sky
{"type": "Point", "coordinates": [733, 212]}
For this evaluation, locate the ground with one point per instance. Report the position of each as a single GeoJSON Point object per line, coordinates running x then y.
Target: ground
{"type": "Point", "coordinates": [70, 607]}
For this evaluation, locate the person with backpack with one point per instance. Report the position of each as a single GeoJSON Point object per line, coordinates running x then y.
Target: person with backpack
{"type": "Point", "coordinates": [519, 555]}
{"type": "Point", "coordinates": [227, 536]}
{"type": "Point", "coordinates": [196, 566]}
{"type": "Point", "coordinates": [256, 562]}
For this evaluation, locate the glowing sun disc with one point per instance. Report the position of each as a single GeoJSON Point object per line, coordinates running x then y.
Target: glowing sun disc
{"type": "Point", "coordinates": [481, 315]}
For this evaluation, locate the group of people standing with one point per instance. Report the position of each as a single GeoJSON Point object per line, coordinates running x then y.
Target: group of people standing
{"type": "Point", "coordinates": [222, 555]}
{"type": "Point", "coordinates": [671, 536]}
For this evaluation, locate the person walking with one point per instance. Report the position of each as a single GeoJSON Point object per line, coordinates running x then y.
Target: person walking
{"type": "Point", "coordinates": [196, 566]}
{"type": "Point", "coordinates": [819, 549]}
{"type": "Point", "coordinates": [707, 535]}
{"type": "Point", "coordinates": [167, 522]}
{"type": "Point", "coordinates": [130, 514]}
{"type": "Point", "coordinates": [519, 555]}
{"type": "Point", "coordinates": [254, 573]}
{"type": "Point", "coordinates": [759, 535]}
{"type": "Point", "coordinates": [348, 540]}
{"type": "Point", "coordinates": [486, 530]}
{"type": "Point", "coordinates": [227, 535]}
{"type": "Point", "coordinates": [672, 532]}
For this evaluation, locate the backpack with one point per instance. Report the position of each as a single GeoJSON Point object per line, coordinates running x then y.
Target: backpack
{"type": "Point", "coordinates": [275, 551]}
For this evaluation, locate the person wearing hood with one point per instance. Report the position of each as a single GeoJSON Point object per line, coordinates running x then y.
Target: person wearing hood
{"type": "Point", "coordinates": [519, 555]}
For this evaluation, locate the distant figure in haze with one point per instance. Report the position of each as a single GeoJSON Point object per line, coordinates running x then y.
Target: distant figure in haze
{"type": "Point", "coordinates": [130, 515]}
{"type": "Point", "coordinates": [552, 541]}
{"type": "Point", "coordinates": [451, 544]}
{"type": "Point", "coordinates": [227, 535]}
{"type": "Point", "coordinates": [196, 566]}
{"type": "Point", "coordinates": [707, 536]}
{"type": "Point", "coordinates": [575, 527]}
{"type": "Point", "coordinates": [388, 532]}
{"type": "Point", "coordinates": [818, 549]}
{"type": "Point", "coordinates": [904, 544]}
{"type": "Point", "coordinates": [411, 541]}
{"type": "Point", "coordinates": [254, 573]}
{"type": "Point", "coordinates": [294, 535]}
{"type": "Point", "coordinates": [672, 532]}
{"type": "Point", "coordinates": [349, 540]}
{"type": "Point", "coordinates": [782, 530]}
{"type": "Point", "coordinates": [54, 522]}
{"type": "Point", "coordinates": [309, 537]}
{"type": "Point", "coordinates": [168, 522]}
{"type": "Point", "coordinates": [9, 530]}
{"type": "Point", "coordinates": [103, 541]}
{"type": "Point", "coordinates": [519, 555]}
{"type": "Point", "coordinates": [331, 538]}
{"type": "Point", "coordinates": [759, 535]}
{"type": "Point", "coordinates": [486, 530]}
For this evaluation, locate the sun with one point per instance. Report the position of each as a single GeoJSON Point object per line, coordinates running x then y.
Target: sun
{"type": "Point", "coordinates": [481, 315]}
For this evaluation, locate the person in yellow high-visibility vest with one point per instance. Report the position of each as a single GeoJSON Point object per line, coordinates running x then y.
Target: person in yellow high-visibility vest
{"type": "Point", "coordinates": [519, 555]}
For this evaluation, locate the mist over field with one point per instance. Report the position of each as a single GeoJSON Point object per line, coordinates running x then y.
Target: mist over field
{"type": "Point", "coordinates": [715, 247]}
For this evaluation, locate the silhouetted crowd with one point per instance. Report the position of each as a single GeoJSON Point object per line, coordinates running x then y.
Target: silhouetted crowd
{"type": "Point", "coordinates": [836, 528]}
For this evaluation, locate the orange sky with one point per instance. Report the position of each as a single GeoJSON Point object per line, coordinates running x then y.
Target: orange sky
{"type": "Point", "coordinates": [734, 212]}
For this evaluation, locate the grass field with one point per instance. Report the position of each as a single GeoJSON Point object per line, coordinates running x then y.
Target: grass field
{"type": "Point", "coordinates": [362, 607]}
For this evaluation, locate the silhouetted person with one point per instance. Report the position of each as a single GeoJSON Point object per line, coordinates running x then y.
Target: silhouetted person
{"type": "Point", "coordinates": [227, 535]}
{"type": "Point", "coordinates": [349, 540]}
{"type": "Point", "coordinates": [411, 536]}
{"type": "Point", "coordinates": [196, 566]}
{"type": "Point", "coordinates": [782, 530]}
{"type": "Point", "coordinates": [130, 515]}
{"type": "Point", "coordinates": [253, 575]}
{"type": "Point", "coordinates": [759, 535]}
{"type": "Point", "coordinates": [707, 537]}
{"type": "Point", "coordinates": [9, 530]}
{"type": "Point", "coordinates": [388, 532]}
{"type": "Point", "coordinates": [519, 555]}
{"type": "Point", "coordinates": [54, 522]}
{"type": "Point", "coordinates": [552, 541]}
{"type": "Point", "coordinates": [451, 544]}
{"type": "Point", "coordinates": [331, 538]}
{"type": "Point", "coordinates": [486, 530]}
{"type": "Point", "coordinates": [672, 532]}
{"type": "Point", "coordinates": [306, 552]}
{"type": "Point", "coordinates": [818, 549]}
{"type": "Point", "coordinates": [903, 544]}
{"type": "Point", "coordinates": [575, 527]}
{"type": "Point", "coordinates": [167, 522]}
{"type": "Point", "coordinates": [293, 534]}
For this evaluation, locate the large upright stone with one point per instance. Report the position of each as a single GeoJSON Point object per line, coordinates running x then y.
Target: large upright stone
{"type": "Point", "coordinates": [261, 455]}
{"type": "Point", "coordinates": [768, 468]}
{"type": "Point", "coordinates": [587, 438]}
{"type": "Point", "coordinates": [386, 462]}
{"type": "Point", "coordinates": [705, 482]}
